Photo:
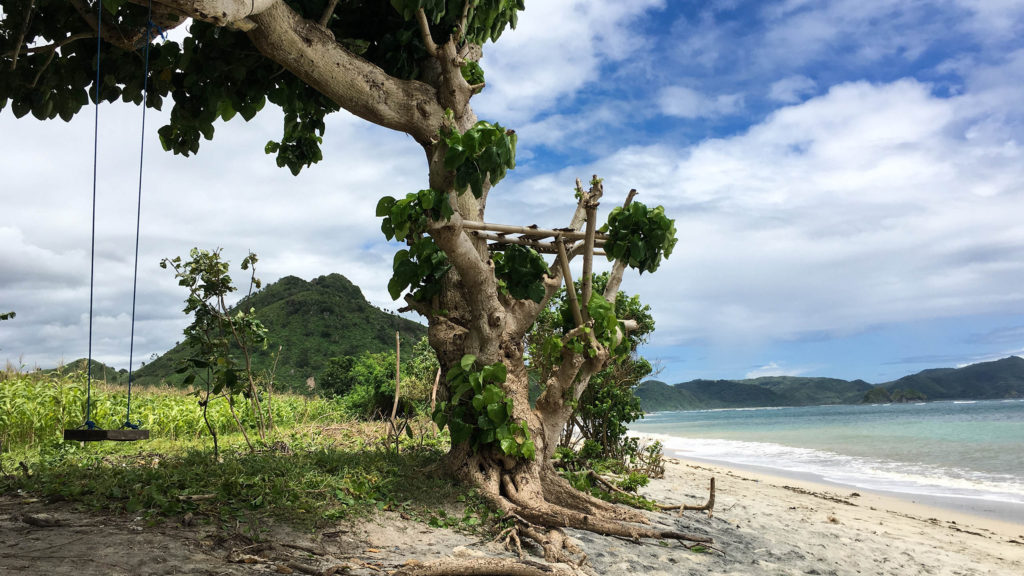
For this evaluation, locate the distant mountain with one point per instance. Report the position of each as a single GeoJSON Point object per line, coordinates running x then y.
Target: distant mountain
{"type": "Point", "coordinates": [766, 391]}
{"type": "Point", "coordinates": [310, 322]}
{"type": "Point", "coordinates": [987, 380]}
{"type": "Point", "coordinates": [100, 371]}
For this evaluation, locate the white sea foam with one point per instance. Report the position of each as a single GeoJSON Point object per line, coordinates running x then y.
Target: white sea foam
{"type": "Point", "coordinates": [864, 473]}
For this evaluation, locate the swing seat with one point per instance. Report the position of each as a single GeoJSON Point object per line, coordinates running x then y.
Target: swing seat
{"type": "Point", "coordinates": [98, 435]}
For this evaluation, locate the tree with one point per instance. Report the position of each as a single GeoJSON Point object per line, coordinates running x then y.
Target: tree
{"type": "Point", "coordinates": [410, 66]}
{"type": "Point", "coordinates": [218, 335]}
{"type": "Point", "coordinates": [608, 403]}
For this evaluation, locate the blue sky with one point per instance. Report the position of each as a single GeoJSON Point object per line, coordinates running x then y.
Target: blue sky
{"type": "Point", "coordinates": [847, 179]}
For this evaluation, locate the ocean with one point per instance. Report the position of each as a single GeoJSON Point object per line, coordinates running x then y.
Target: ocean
{"type": "Point", "coordinates": [940, 452]}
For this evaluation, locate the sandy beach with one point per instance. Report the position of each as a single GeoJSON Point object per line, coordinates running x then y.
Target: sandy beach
{"type": "Point", "coordinates": [772, 525]}
{"type": "Point", "coordinates": [761, 525]}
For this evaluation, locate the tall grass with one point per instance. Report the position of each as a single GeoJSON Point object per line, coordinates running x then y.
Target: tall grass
{"type": "Point", "coordinates": [36, 408]}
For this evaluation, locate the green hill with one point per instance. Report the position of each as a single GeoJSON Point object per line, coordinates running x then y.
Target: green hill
{"type": "Point", "coordinates": [987, 380]}
{"type": "Point", "coordinates": [310, 322]}
{"type": "Point", "coordinates": [100, 371]}
{"type": "Point", "coordinates": [655, 395]}
{"type": "Point", "coordinates": [765, 391]}
{"type": "Point", "coordinates": [984, 381]}
{"type": "Point", "coordinates": [815, 391]}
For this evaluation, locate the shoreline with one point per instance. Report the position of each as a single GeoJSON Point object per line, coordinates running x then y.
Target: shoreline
{"type": "Point", "coordinates": [766, 523]}
{"type": "Point", "coordinates": [1007, 523]}
{"type": "Point", "coordinates": [777, 461]}
{"type": "Point", "coordinates": [1008, 515]}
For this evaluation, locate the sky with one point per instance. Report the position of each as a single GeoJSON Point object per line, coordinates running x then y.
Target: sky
{"type": "Point", "coordinates": [846, 176]}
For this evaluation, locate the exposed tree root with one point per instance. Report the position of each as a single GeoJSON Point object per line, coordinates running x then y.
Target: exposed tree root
{"type": "Point", "coordinates": [543, 504]}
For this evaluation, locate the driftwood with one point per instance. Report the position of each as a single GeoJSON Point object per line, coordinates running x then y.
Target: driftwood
{"type": "Point", "coordinates": [708, 507]}
{"type": "Point", "coordinates": [486, 567]}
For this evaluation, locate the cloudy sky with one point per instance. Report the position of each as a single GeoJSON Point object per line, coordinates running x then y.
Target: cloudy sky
{"type": "Point", "coordinates": [847, 178]}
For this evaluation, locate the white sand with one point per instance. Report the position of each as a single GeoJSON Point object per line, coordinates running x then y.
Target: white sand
{"type": "Point", "coordinates": [771, 525]}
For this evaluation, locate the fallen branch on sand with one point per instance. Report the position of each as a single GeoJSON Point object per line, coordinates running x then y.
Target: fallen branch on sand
{"type": "Point", "coordinates": [487, 567]}
{"type": "Point", "coordinates": [708, 507]}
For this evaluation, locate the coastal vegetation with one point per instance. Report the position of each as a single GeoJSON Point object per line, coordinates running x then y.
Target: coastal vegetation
{"type": "Point", "coordinates": [318, 463]}
{"type": "Point", "coordinates": [309, 459]}
{"type": "Point", "coordinates": [321, 460]}
{"type": "Point", "coordinates": [983, 381]}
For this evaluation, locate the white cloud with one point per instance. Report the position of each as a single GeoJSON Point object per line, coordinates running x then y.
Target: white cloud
{"type": "Point", "coordinates": [558, 48]}
{"type": "Point", "coordinates": [867, 205]}
{"type": "Point", "coordinates": [994, 20]}
{"type": "Point", "coordinates": [774, 369]}
{"type": "Point", "coordinates": [684, 102]}
{"type": "Point", "coordinates": [231, 195]}
{"type": "Point", "coordinates": [791, 89]}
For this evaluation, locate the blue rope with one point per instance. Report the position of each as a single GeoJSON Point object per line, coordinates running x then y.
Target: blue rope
{"type": "Point", "coordinates": [138, 215]}
{"type": "Point", "coordinates": [92, 248]}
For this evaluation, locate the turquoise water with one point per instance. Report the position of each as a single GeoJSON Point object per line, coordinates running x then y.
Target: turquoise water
{"type": "Point", "coordinates": [941, 449]}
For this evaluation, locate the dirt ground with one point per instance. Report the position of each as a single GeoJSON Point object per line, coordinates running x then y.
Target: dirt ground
{"type": "Point", "coordinates": [55, 540]}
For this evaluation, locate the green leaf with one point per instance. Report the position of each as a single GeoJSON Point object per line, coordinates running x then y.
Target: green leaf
{"type": "Point", "coordinates": [496, 372]}
{"type": "Point", "coordinates": [528, 450]}
{"type": "Point", "coordinates": [460, 432]}
{"type": "Point", "coordinates": [508, 446]}
{"type": "Point", "coordinates": [384, 206]}
{"type": "Point", "coordinates": [467, 362]}
{"type": "Point", "coordinates": [491, 394]}
{"type": "Point", "coordinates": [497, 413]}
{"type": "Point", "coordinates": [478, 402]}
{"type": "Point", "coordinates": [484, 422]}
{"type": "Point", "coordinates": [440, 417]}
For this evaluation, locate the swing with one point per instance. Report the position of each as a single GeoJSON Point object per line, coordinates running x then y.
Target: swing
{"type": "Point", "coordinates": [129, 431]}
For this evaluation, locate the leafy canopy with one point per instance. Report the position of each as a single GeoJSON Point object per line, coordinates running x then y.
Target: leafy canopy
{"type": "Point", "coordinates": [214, 73]}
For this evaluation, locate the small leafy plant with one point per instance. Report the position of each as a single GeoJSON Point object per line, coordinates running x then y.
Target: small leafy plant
{"type": "Point", "coordinates": [218, 334]}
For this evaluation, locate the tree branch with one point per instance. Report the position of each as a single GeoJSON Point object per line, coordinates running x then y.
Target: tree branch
{"type": "Point", "coordinates": [611, 290]}
{"type": "Point", "coordinates": [428, 41]}
{"type": "Point", "coordinates": [218, 12]}
{"type": "Point", "coordinates": [464, 19]}
{"type": "Point", "coordinates": [91, 19]}
{"type": "Point", "coordinates": [311, 53]}
{"type": "Point", "coordinates": [328, 12]}
{"type": "Point", "coordinates": [592, 200]}
{"type": "Point", "coordinates": [574, 224]}
{"type": "Point", "coordinates": [570, 289]}
{"type": "Point", "coordinates": [49, 47]}
{"type": "Point", "coordinates": [21, 35]}
{"type": "Point", "coordinates": [39, 73]}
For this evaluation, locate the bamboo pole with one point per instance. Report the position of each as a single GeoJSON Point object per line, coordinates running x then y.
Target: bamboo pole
{"type": "Point", "coordinates": [542, 247]}
{"type": "Point", "coordinates": [531, 231]}
{"type": "Point", "coordinates": [588, 256]}
{"type": "Point", "coordinates": [398, 366]}
{"type": "Point", "coordinates": [570, 289]}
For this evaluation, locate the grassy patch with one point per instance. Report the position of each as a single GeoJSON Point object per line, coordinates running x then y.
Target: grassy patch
{"type": "Point", "coordinates": [303, 482]}
{"type": "Point", "coordinates": [317, 466]}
